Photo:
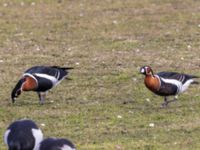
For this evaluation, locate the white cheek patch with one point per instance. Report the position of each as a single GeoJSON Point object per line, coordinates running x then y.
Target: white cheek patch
{"type": "Point", "coordinates": [142, 70]}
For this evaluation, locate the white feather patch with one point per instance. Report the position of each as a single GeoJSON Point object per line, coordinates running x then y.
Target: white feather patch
{"type": "Point", "coordinates": [186, 84]}
{"type": "Point", "coordinates": [51, 78]}
{"type": "Point", "coordinates": [58, 75]}
{"type": "Point", "coordinates": [181, 87]}
{"type": "Point", "coordinates": [66, 147]}
{"type": "Point", "coordinates": [6, 136]}
{"type": "Point", "coordinates": [174, 82]}
{"type": "Point", "coordinates": [37, 133]}
{"type": "Point", "coordinates": [30, 75]}
{"type": "Point", "coordinates": [142, 70]}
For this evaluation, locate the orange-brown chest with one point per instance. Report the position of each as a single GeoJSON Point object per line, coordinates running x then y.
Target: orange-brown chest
{"type": "Point", "coordinates": [152, 83]}
{"type": "Point", "coordinates": [29, 84]}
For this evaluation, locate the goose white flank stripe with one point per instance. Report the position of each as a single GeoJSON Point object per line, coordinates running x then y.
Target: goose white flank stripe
{"type": "Point", "coordinates": [174, 82]}
{"type": "Point", "coordinates": [167, 83]}
{"type": "Point", "coordinates": [51, 78]}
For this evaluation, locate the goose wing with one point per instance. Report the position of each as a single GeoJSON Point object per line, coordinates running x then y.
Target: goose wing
{"type": "Point", "coordinates": [176, 76]}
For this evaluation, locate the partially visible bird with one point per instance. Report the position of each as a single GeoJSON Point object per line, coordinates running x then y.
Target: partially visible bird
{"type": "Point", "coordinates": [56, 144]}
{"type": "Point", "coordinates": [23, 135]}
{"type": "Point", "coordinates": [40, 79]}
{"type": "Point", "coordinates": [167, 83]}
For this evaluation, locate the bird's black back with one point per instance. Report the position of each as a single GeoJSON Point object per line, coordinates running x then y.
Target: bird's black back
{"type": "Point", "coordinates": [56, 71]}
{"type": "Point", "coordinates": [21, 135]}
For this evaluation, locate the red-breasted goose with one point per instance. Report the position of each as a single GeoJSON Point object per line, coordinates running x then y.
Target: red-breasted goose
{"type": "Point", "coordinates": [39, 79]}
{"type": "Point", "coordinates": [23, 135]}
{"type": "Point", "coordinates": [167, 83]}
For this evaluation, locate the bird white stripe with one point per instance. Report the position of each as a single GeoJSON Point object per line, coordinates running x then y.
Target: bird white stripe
{"type": "Point", "coordinates": [186, 85]}
{"type": "Point", "coordinates": [58, 75]}
{"type": "Point", "coordinates": [37, 133]}
{"type": "Point", "coordinates": [30, 75]}
{"type": "Point", "coordinates": [158, 79]}
{"type": "Point", "coordinates": [181, 87]}
{"type": "Point", "coordinates": [51, 78]}
{"type": "Point", "coordinates": [6, 136]}
{"type": "Point", "coordinates": [66, 147]}
{"type": "Point", "coordinates": [174, 82]}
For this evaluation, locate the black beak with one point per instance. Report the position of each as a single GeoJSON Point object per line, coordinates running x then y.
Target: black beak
{"type": "Point", "coordinates": [17, 90]}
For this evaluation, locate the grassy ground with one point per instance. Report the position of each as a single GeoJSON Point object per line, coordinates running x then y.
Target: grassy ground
{"type": "Point", "coordinates": [106, 106]}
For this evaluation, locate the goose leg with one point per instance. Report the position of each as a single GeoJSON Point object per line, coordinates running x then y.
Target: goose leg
{"type": "Point", "coordinates": [166, 102]}
{"type": "Point", "coordinates": [175, 99]}
{"type": "Point", "coordinates": [42, 96]}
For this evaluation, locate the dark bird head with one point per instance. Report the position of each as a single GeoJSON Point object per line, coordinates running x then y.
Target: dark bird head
{"type": "Point", "coordinates": [146, 70]}
{"type": "Point", "coordinates": [17, 90]}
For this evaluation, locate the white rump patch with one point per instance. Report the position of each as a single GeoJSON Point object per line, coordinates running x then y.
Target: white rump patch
{"type": "Point", "coordinates": [37, 133]}
{"type": "Point", "coordinates": [51, 78]}
{"type": "Point", "coordinates": [66, 147]}
{"type": "Point", "coordinates": [6, 136]}
{"type": "Point", "coordinates": [186, 84]}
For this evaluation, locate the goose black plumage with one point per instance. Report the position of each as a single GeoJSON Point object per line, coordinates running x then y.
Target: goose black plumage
{"type": "Point", "coordinates": [56, 144]}
{"type": "Point", "coordinates": [23, 135]}
{"type": "Point", "coordinates": [167, 83]}
{"type": "Point", "coordinates": [40, 79]}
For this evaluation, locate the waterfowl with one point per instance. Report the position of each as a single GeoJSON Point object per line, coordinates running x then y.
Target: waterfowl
{"type": "Point", "coordinates": [40, 79]}
{"type": "Point", "coordinates": [167, 83]}
{"type": "Point", "coordinates": [23, 135]}
{"type": "Point", "coordinates": [56, 144]}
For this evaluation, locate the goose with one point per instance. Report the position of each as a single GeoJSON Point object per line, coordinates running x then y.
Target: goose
{"type": "Point", "coordinates": [167, 83]}
{"type": "Point", "coordinates": [39, 79]}
{"type": "Point", "coordinates": [23, 135]}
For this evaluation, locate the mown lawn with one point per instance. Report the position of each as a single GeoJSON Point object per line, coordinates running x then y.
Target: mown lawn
{"type": "Point", "coordinates": [106, 105]}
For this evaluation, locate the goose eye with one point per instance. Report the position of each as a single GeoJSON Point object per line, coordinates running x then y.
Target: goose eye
{"type": "Point", "coordinates": [148, 70]}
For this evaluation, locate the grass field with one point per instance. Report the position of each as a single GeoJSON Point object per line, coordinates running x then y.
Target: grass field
{"type": "Point", "coordinates": [106, 106]}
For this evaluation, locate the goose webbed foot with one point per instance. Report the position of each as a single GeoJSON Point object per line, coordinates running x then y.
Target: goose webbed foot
{"type": "Point", "coordinates": [166, 102]}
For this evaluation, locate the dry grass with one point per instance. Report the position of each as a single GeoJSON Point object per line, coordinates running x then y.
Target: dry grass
{"type": "Point", "coordinates": [106, 41]}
